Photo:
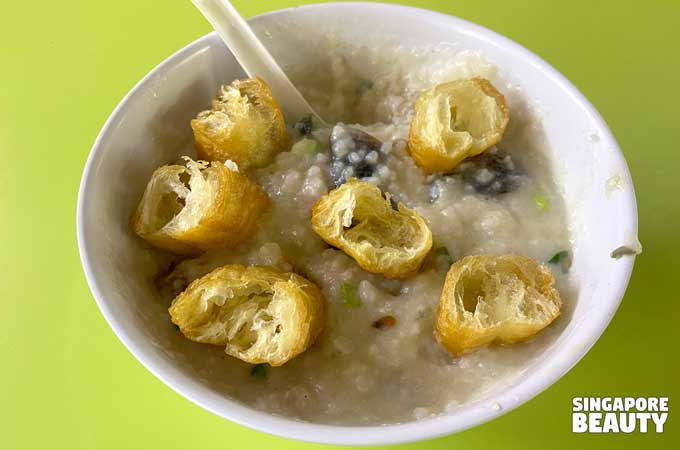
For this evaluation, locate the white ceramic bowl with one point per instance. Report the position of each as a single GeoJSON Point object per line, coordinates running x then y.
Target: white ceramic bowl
{"type": "Point", "coordinates": [150, 127]}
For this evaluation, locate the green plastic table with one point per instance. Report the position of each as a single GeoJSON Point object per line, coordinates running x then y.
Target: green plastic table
{"type": "Point", "coordinates": [66, 382]}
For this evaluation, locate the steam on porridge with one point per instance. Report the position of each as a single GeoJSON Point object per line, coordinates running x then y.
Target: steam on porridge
{"type": "Point", "coordinates": [379, 352]}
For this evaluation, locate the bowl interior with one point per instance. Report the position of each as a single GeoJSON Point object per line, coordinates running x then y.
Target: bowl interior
{"type": "Point", "coordinates": [151, 127]}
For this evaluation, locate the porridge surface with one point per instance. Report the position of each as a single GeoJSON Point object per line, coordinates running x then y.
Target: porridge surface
{"type": "Point", "coordinates": [359, 372]}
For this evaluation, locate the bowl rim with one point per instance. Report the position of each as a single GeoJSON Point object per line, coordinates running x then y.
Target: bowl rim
{"type": "Point", "coordinates": [515, 395]}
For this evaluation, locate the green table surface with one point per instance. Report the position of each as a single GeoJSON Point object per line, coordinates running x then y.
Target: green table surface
{"type": "Point", "coordinates": [66, 382]}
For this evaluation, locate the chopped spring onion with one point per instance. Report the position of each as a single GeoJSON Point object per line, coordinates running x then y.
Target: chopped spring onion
{"type": "Point", "coordinates": [350, 295]}
{"type": "Point", "coordinates": [541, 200]}
{"type": "Point", "coordinates": [259, 370]}
{"type": "Point", "coordinates": [364, 86]}
{"type": "Point", "coordinates": [305, 147]}
{"type": "Point", "coordinates": [444, 253]}
{"type": "Point", "coordinates": [559, 257]}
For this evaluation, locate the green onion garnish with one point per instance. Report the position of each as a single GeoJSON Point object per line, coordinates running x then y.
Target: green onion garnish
{"type": "Point", "coordinates": [444, 253]}
{"type": "Point", "coordinates": [305, 147]}
{"type": "Point", "coordinates": [350, 295]}
{"type": "Point", "coordinates": [259, 370]}
{"type": "Point", "coordinates": [559, 257]}
{"type": "Point", "coordinates": [541, 200]}
{"type": "Point", "coordinates": [364, 86]}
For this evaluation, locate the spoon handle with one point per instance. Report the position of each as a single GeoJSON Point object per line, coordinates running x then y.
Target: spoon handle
{"type": "Point", "coordinates": [254, 57]}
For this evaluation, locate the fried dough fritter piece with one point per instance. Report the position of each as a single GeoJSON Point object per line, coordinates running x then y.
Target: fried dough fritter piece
{"type": "Point", "coordinates": [261, 315]}
{"type": "Point", "coordinates": [454, 121]}
{"type": "Point", "coordinates": [186, 210]}
{"type": "Point", "coordinates": [358, 220]}
{"type": "Point", "coordinates": [245, 125]}
{"type": "Point", "coordinates": [494, 299]}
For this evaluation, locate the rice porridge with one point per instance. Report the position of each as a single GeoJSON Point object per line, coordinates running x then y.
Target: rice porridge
{"type": "Point", "coordinates": [377, 360]}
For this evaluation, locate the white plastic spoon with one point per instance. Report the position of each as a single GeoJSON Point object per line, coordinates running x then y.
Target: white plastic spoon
{"type": "Point", "coordinates": [254, 57]}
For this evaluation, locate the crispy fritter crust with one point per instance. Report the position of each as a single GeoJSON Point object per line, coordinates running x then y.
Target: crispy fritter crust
{"type": "Point", "coordinates": [244, 125]}
{"type": "Point", "coordinates": [494, 299]}
{"type": "Point", "coordinates": [218, 208]}
{"type": "Point", "coordinates": [454, 121]}
{"type": "Point", "coordinates": [260, 314]}
{"type": "Point", "coordinates": [358, 220]}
